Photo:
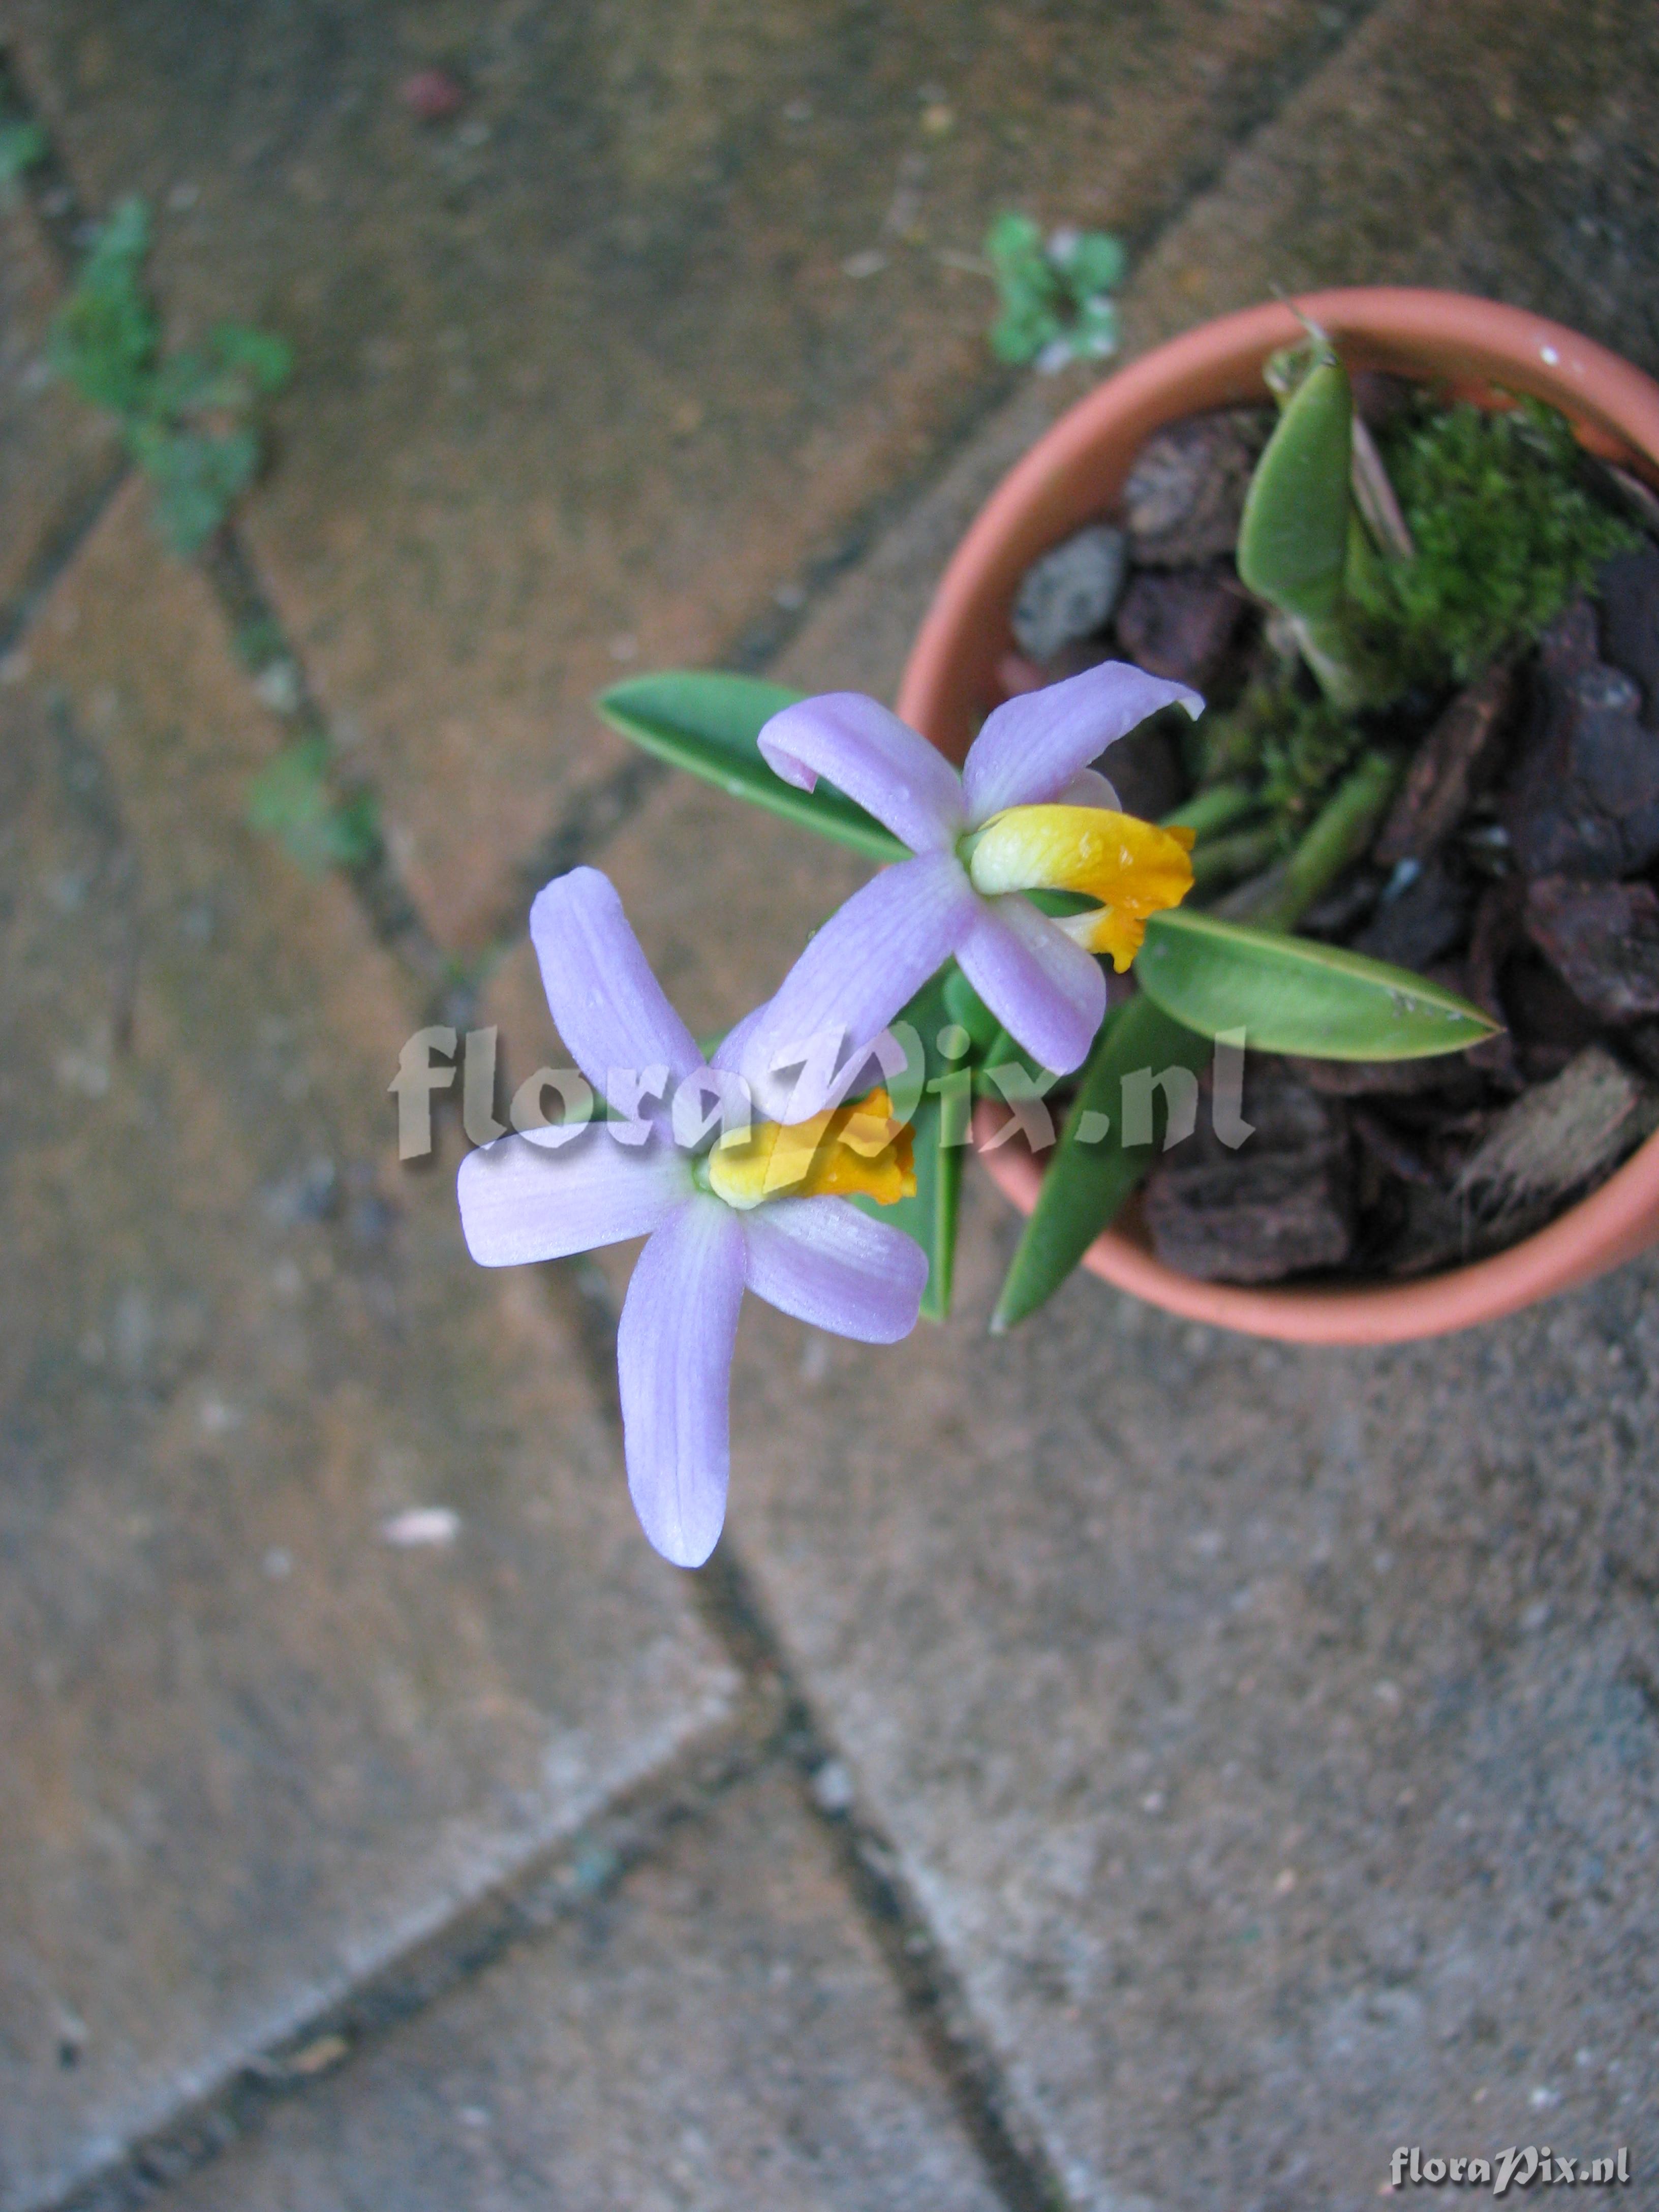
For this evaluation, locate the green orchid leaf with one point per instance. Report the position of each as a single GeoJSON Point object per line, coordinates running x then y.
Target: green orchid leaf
{"type": "Point", "coordinates": [1091, 1173]}
{"type": "Point", "coordinates": [1293, 539]}
{"type": "Point", "coordinates": [963, 1006]}
{"type": "Point", "coordinates": [1291, 994]}
{"type": "Point", "coordinates": [929, 1217]}
{"type": "Point", "coordinates": [1003, 1051]}
{"type": "Point", "coordinates": [709, 723]}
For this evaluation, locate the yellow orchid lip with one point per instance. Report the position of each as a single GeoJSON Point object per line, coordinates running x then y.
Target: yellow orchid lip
{"type": "Point", "coordinates": [1133, 868]}
{"type": "Point", "coordinates": [858, 1151]}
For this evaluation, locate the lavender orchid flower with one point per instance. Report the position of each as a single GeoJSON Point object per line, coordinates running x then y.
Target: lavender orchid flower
{"type": "Point", "coordinates": [1026, 812]}
{"type": "Point", "coordinates": [761, 1211]}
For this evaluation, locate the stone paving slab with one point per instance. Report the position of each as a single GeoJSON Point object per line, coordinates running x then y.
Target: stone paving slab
{"type": "Point", "coordinates": [252, 1745]}
{"type": "Point", "coordinates": [54, 453]}
{"type": "Point", "coordinates": [719, 2033]}
{"type": "Point", "coordinates": [1492, 147]}
{"type": "Point", "coordinates": [582, 375]}
{"type": "Point", "coordinates": [1269, 1737]}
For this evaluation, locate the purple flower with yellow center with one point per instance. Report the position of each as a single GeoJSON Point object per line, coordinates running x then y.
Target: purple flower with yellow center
{"type": "Point", "coordinates": [762, 1208]}
{"type": "Point", "coordinates": [1025, 813]}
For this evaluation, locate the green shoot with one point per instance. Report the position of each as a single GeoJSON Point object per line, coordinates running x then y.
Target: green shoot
{"type": "Point", "coordinates": [1055, 296]}
{"type": "Point", "coordinates": [190, 420]}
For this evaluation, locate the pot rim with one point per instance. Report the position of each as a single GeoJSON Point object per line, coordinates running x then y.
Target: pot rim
{"type": "Point", "coordinates": [1480, 348]}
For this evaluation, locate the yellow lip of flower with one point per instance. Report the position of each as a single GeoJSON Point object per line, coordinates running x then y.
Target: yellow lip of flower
{"type": "Point", "coordinates": [857, 1151]}
{"type": "Point", "coordinates": [1133, 867]}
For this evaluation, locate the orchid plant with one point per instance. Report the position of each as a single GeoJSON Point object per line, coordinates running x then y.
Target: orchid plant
{"type": "Point", "coordinates": [814, 1155]}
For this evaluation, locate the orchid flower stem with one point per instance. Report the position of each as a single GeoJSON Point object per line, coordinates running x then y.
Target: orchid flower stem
{"type": "Point", "coordinates": [1337, 836]}
{"type": "Point", "coordinates": [1228, 860]}
{"type": "Point", "coordinates": [1216, 808]}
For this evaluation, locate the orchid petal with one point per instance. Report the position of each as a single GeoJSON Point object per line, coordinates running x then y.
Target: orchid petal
{"type": "Point", "coordinates": [609, 1007]}
{"type": "Point", "coordinates": [524, 1200]}
{"type": "Point", "coordinates": [1031, 747]}
{"type": "Point", "coordinates": [879, 761]}
{"type": "Point", "coordinates": [868, 960]}
{"type": "Point", "coordinates": [728, 1053]}
{"type": "Point", "coordinates": [824, 1262]}
{"type": "Point", "coordinates": [1089, 787]}
{"type": "Point", "coordinates": [1045, 990]}
{"type": "Point", "coordinates": [674, 1345]}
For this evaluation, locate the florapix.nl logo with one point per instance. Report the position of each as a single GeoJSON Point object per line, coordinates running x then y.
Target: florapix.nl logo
{"type": "Point", "coordinates": [1517, 2167]}
{"type": "Point", "coordinates": [711, 1104]}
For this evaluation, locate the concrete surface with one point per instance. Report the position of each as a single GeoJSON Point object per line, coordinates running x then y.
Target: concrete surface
{"type": "Point", "coordinates": [583, 379]}
{"type": "Point", "coordinates": [253, 1747]}
{"type": "Point", "coordinates": [717, 2031]}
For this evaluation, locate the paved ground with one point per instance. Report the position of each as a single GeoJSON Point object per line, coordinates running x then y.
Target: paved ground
{"type": "Point", "coordinates": [1114, 1767]}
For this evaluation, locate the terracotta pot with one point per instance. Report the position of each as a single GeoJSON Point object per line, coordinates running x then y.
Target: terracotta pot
{"type": "Point", "coordinates": [1070, 477]}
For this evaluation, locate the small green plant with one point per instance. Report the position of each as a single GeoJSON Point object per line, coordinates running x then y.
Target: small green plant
{"type": "Point", "coordinates": [1506, 531]}
{"type": "Point", "coordinates": [292, 798]}
{"type": "Point", "coordinates": [1054, 293]}
{"type": "Point", "coordinates": [1500, 533]}
{"type": "Point", "coordinates": [22, 147]}
{"type": "Point", "coordinates": [190, 420]}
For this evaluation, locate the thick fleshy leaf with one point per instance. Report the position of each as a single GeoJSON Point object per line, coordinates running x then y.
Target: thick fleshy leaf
{"type": "Point", "coordinates": [1291, 994]}
{"type": "Point", "coordinates": [522, 1200]}
{"type": "Point", "coordinates": [1044, 990]}
{"type": "Point", "coordinates": [959, 1002]}
{"type": "Point", "coordinates": [879, 761]}
{"type": "Point", "coordinates": [928, 1215]}
{"type": "Point", "coordinates": [679, 1323]}
{"type": "Point", "coordinates": [709, 724]}
{"type": "Point", "coordinates": [1293, 539]}
{"type": "Point", "coordinates": [610, 1008]}
{"type": "Point", "coordinates": [871, 955]}
{"type": "Point", "coordinates": [1031, 747]}
{"type": "Point", "coordinates": [826, 1262]}
{"type": "Point", "coordinates": [1086, 1183]}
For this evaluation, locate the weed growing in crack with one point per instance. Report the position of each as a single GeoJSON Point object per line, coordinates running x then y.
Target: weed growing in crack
{"type": "Point", "coordinates": [191, 419]}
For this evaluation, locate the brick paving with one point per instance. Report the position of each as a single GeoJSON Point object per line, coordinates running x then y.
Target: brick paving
{"type": "Point", "coordinates": [1115, 1766]}
{"type": "Point", "coordinates": [254, 1747]}
{"type": "Point", "coordinates": [581, 371]}
{"type": "Point", "coordinates": [718, 2029]}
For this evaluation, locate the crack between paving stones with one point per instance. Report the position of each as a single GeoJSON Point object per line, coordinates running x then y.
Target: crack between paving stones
{"type": "Point", "coordinates": [51, 196]}
{"type": "Point", "coordinates": [451, 985]}
{"type": "Point", "coordinates": [928, 1989]}
{"type": "Point", "coordinates": [556, 1884]}
{"type": "Point", "coordinates": [246, 606]}
{"type": "Point", "coordinates": [248, 610]}
{"type": "Point", "coordinates": [600, 810]}
{"type": "Point", "coordinates": [46, 183]}
{"type": "Point", "coordinates": [57, 556]}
